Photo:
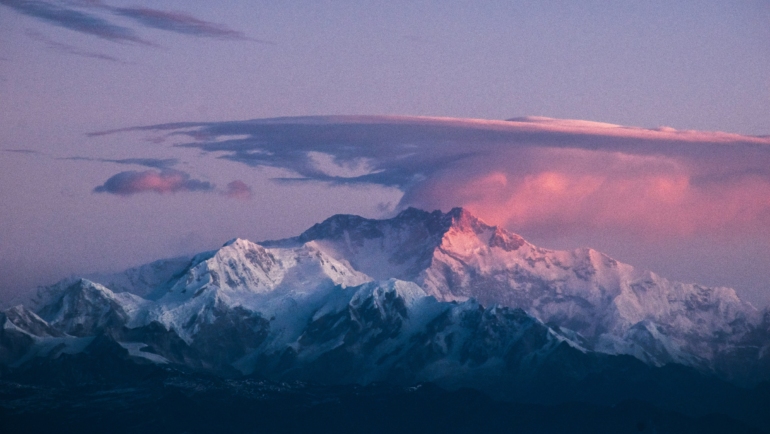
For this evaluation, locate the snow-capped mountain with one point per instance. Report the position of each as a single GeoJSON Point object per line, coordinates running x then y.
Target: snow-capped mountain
{"type": "Point", "coordinates": [613, 307]}
{"type": "Point", "coordinates": [440, 297]}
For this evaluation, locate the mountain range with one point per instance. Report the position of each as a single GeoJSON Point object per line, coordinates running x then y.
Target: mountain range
{"type": "Point", "coordinates": [424, 297]}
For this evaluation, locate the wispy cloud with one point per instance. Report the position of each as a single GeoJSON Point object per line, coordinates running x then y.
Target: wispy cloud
{"type": "Point", "coordinates": [91, 18]}
{"type": "Point", "coordinates": [21, 151]}
{"type": "Point", "coordinates": [156, 163]}
{"type": "Point", "coordinates": [75, 19]}
{"type": "Point", "coordinates": [537, 174]}
{"type": "Point", "coordinates": [238, 190]}
{"type": "Point", "coordinates": [179, 22]}
{"type": "Point", "coordinates": [69, 49]}
{"type": "Point", "coordinates": [166, 181]}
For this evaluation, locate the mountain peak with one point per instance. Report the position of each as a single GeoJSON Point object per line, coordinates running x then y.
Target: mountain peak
{"type": "Point", "coordinates": [413, 213]}
{"type": "Point", "coordinates": [464, 221]}
{"type": "Point", "coordinates": [357, 227]}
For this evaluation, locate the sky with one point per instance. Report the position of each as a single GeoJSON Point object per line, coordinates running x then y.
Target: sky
{"type": "Point", "coordinates": [134, 131]}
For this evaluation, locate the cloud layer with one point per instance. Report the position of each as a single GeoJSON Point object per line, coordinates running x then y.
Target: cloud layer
{"type": "Point", "coordinates": [534, 174]}
{"type": "Point", "coordinates": [165, 181]}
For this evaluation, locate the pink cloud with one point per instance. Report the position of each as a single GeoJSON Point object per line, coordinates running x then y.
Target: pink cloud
{"type": "Point", "coordinates": [570, 190]}
{"type": "Point", "coordinates": [165, 181]}
{"type": "Point", "coordinates": [238, 190]}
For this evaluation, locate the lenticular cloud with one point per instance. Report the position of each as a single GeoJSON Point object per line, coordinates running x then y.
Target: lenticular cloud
{"type": "Point", "coordinates": [165, 181]}
{"type": "Point", "coordinates": [533, 174]}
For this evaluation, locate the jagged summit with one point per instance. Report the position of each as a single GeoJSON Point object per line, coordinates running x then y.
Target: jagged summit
{"type": "Point", "coordinates": [402, 246]}
{"type": "Point", "coordinates": [433, 223]}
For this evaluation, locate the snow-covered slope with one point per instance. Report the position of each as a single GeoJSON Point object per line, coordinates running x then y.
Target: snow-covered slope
{"type": "Point", "coordinates": [149, 280]}
{"type": "Point", "coordinates": [245, 274]}
{"type": "Point", "coordinates": [84, 308]}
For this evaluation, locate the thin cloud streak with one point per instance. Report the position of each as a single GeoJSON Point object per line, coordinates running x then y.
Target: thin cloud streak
{"type": "Point", "coordinates": [166, 181]}
{"type": "Point", "coordinates": [76, 20]}
{"type": "Point", "coordinates": [155, 163]}
{"type": "Point", "coordinates": [69, 49]}
{"type": "Point", "coordinates": [21, 151]}
{"type": "Point", "coordinates": [92, 24]}
{"type": "Point", "coordinates": [178, 22]}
